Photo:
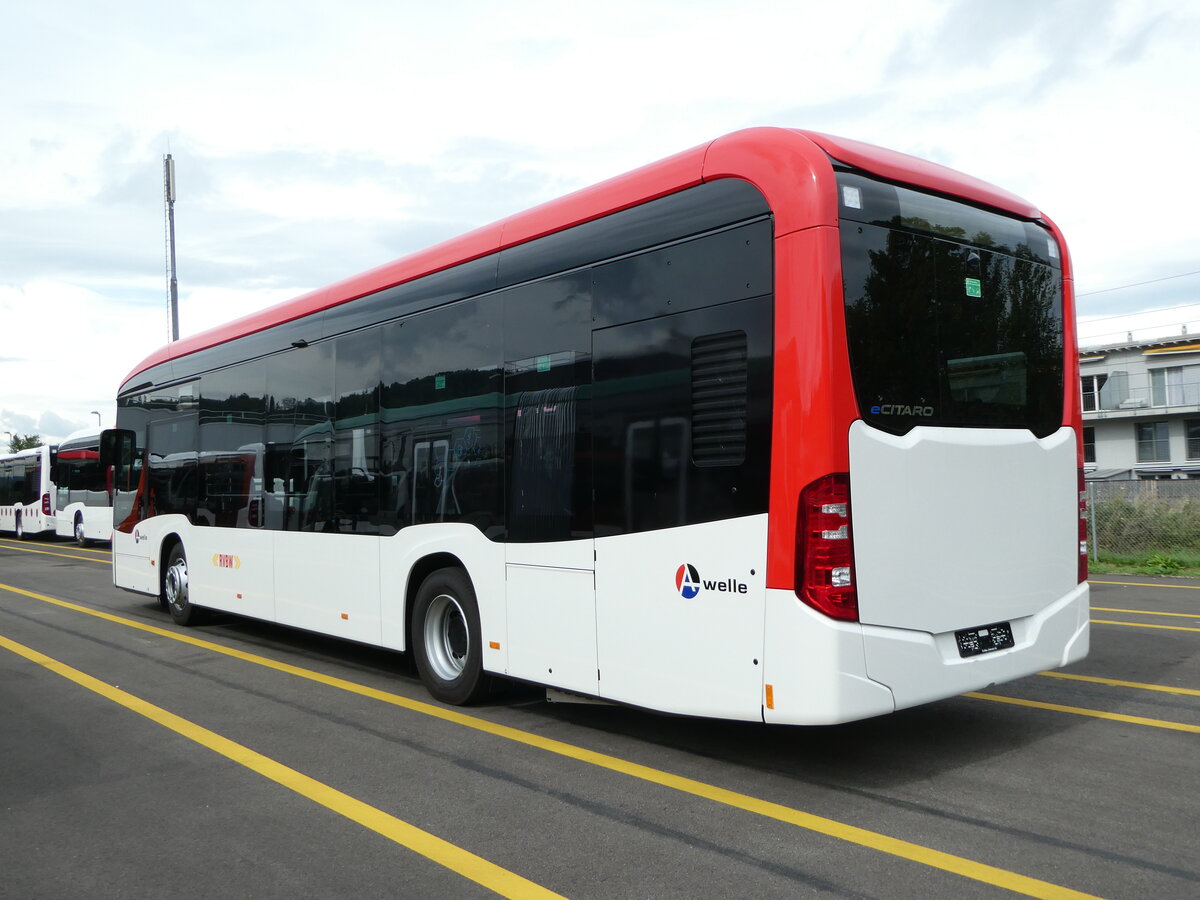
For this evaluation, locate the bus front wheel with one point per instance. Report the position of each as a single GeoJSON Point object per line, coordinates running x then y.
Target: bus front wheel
{"type": "Point", "coordinates": [79, 537]}
{"type": "Point", "coordinates": [20, 529]}
{"type": "Point", "coordinates": [447, 645]}
{"type": "Point", "coordinates": [175, 589]}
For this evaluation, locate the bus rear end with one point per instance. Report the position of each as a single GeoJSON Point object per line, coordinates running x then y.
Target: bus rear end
{"type": "Point", "coordinates": [947, 555]}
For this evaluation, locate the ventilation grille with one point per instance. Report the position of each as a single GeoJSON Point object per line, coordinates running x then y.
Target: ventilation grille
{"type": "Point", "coordinates": [719, 399]}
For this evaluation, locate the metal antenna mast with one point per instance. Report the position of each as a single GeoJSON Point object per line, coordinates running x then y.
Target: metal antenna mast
{"type": "Point", "coordinates": [169, 194]}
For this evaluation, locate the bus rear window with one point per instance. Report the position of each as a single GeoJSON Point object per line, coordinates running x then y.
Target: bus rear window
{"type": "Point", "coordinates": [953, 314]}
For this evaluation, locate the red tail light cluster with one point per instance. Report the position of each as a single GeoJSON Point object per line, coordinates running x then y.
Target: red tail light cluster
{"type": "Point", "coordinates": [1083, 530]}
{"type": "Point", "coordinates": [825, 548]}
{"type": "Point", "coordinates": [46, 510]}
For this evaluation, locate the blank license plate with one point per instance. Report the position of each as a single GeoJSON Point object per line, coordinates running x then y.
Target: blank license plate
{"type": "Point", "coordinates": [987, 639]}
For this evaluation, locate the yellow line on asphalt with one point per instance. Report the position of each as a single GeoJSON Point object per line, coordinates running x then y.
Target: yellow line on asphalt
{"type": "Point", "coordinates": [1143, 625]}
{"type": "Point", "coordinates": [1177, 587]}
{"type": "Point", "coordinates": [958, 865]}
{"type": "Point", "coordinates": [27, 549]}
{"type": "Point", "coordinates": [1146, 612]}
{"type": "Point", "coordinates": [1093, 713]}
{"type": "Point", "coordinates": [466, 864]}
{"type": "Point", "coordinates": [24, 545]}
{"type": "Point", "coordinates": [1141, 686]}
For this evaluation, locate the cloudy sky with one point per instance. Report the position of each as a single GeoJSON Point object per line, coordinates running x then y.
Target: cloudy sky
{"type": "Point", "coordinates": [317, 139]}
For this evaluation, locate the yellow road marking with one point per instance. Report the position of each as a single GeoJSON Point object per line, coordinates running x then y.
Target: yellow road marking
{"type": "Point", "coordinates": [958, 865]}
{"type": "Point", "coordinates": [476, 868]}
{"type": "Point", "coordinates": [1177, 587]}
{"type": "Point", "coordinates": [1146, 612]}
{"type": "Point", "coordinates": [27, 549]}
{"type": "Point", "coordinates": [13, 542]}
{"type": "Point", "coordinates": [1165, 688]}
{"type": "Point", "coordinates": [1093, 713]}
{"type": "Point", "coordinates": [1144, 625]}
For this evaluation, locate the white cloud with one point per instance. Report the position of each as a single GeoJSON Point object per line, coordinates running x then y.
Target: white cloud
{"type": "Point", "coordinates": [337, 137]}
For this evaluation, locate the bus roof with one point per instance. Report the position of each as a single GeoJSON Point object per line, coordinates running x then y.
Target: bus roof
{"type": "Point", "coordinates": [775, 160]}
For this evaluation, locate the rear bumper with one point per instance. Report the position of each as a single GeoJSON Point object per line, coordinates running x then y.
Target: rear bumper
{"type": "Point", "coordinates": [818, 671]}
{"type": "Point", "coordinates": [919, 667]}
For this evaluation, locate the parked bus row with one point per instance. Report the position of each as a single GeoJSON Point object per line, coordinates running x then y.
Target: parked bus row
{"type": "Point", "coordinates": [57, 489]}
{"type": "Point", "coordinates": [782, 428]}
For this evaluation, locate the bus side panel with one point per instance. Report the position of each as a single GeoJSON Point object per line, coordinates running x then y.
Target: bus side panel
{"type": "Point", "coordinates": [551, 607]}
{"type": "Point", "coordinates": [136, 565]}
{"type": "Point", "coordinates": [98, 523]}
{"type": "Point", "coordinates": [327, 583]}
{"type": "Point", "coordinates": [231, 569]}
{"type": "Point", "coordinates": [64, 519]}
{"type": "Point", "coordinates": [815, 668]}
{"type": "Point", "coordinates": [679, 616]}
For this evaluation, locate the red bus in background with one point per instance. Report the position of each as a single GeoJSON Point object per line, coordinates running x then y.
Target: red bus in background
{"type": "Point", "coordinates": [82, 509]}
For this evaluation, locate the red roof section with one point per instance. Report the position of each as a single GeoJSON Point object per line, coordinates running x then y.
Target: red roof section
{"type": "Point", "coordinates": [780, 162]}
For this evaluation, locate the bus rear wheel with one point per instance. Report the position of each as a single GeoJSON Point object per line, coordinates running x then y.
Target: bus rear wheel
{"type": "Point", "coordinates": [20, 529]}
{"type": "Point", "coordinates": [175, 589]}
{"type": "Point", "coordinates": [447, 645]}
{"type": "Point", "coordinates": [79, 538]}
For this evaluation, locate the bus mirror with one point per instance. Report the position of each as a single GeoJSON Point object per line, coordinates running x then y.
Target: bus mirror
{"type": "Point", "coordinates": [116, 453]}
{"type": "Point", "coordinates": [110, 446]}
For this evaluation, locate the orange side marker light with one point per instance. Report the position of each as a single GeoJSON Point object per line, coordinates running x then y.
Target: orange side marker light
{"type": "Point", "coordinates": [770, 696]}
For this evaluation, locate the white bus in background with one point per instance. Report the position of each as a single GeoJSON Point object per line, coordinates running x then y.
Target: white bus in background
{"type": "Point", "coordinates": [27, 491]}
{"type": "Point", "coordinates": [82, 508]}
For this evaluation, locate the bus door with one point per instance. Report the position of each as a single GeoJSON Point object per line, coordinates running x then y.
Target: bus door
{"type": "Point", "coordinates": [549, 554]}
{"type": "Point", "coordinates": [125, 476]}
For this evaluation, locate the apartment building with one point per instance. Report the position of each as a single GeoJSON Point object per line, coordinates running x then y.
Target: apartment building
{"type": "Point", "coordinates": [1141, 409]}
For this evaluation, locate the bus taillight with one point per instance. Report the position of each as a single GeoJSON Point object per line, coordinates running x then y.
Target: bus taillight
{"type": "Point", "coordinates": [46, 505]}
{"type": "Point", "coordinates": [1083, 530]}
{"type": "Point", "coordinates": [825, 548]}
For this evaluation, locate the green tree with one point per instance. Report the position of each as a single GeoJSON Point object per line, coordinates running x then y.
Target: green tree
{"type": "Point", "coordinates": [18, 442]}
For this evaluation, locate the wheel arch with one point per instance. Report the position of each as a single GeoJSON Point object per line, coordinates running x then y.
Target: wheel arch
{"type": "Point", "coordinates": [422, 569]}
{"type": "Point", "coordinates": [169, 541]}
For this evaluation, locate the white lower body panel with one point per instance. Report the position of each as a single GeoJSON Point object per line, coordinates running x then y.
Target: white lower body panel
{"type": "Point", "coordinates": [692, 645]}
{"type": "Point", "coordinates": [919, 667]}
{"type": "Point", "coordinates": [820, 672]}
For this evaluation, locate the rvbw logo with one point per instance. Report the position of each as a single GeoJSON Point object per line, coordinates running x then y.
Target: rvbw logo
{"type": "Point", "coordinates": [688, 582]}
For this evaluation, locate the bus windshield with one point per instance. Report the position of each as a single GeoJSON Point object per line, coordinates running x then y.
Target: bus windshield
{"type": "Point", "coordinates": [953, 313]}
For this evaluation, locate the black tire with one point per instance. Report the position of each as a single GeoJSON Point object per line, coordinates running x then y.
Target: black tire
{"type": "Point", "coordinates": [174, 596]}
{"type": "Point", "coordinates": [19, 529]}
{"type": "Point", "coordinates": [447, 644]}
{"type": "Point", "coordinates": [79, 538]}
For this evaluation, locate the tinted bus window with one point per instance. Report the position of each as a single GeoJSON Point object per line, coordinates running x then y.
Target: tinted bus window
{"type": "Point", "coordinates": [356, 471]}
{"type": "Point", "coordinates": [232, 414]}
{"type": "Point", "coordinates": [299, 437]}
{"type": "Point", "coordinates": [953, 314]}
{"type": "Point", "coordinates": [440, 416]}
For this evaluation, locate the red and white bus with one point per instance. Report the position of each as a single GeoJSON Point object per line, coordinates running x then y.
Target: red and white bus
{"type": "Point", "coordinates": [782, 428]}
{"type": "Point", "coordinates": [82, 509]}
{"type": "Point", "coordinates": [27, 491]}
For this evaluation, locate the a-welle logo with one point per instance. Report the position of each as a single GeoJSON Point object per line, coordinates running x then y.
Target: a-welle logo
{"type": "Point", "coordinates": [689, 583]}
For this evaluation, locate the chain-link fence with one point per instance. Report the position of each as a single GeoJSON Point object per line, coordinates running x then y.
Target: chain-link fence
{"type": "Point", "coordinates": [1135, 520]}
